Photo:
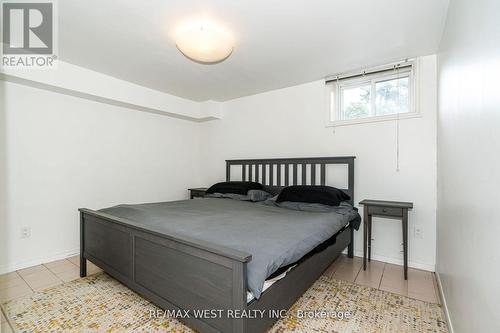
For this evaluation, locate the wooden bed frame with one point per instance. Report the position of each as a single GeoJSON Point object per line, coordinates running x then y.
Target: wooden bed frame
{"type": "Point", "coordinates": [178, 273]}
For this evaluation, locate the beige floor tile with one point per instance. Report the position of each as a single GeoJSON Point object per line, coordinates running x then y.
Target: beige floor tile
{"type": "Point", "coordinates": [4, 325]}
{"type": "Point", "coordinates": [394, 272]}
{"type": "Point", "coordinates": [429, 297]}
{"type": "Point", "coordinates": [9, 276]}
{"type": "Point", "coordinates": [5, 328]}
{"type": "Point", "coordinates": [69, 275]}
{"type": "Point", "coordinates": [60, 266]}
{"type": "Point", "coordinates": [41, 280]}
{"type": "Point", "coordinates": [57, 263]}
{"type": "Point", "coordinates": [345, 261]}
{"type": "Point", "coordinates": [49, 285]}
{"type": "Point", "coordinates": [335, 265]}
{"type": "Point", "coordinates": [330, 270]}
{"type": "Point", "coordinates": [341, 259]}
{"type": "Point", "coordinates": [419, 281]}
{"type": "Point", "coordinates": [396, 289]}
{"type": "Point", "coordinates": [421, 285]}
{"type": "Point", "coordinates": [14, 292]}
{"type": "Point", "coordinates": [32, 270]}
{"type": "Point", "coordinates": [75, 260]}
{"type": "Point", "coordinates": [427, 294]}
{"type": "Point", "coordinates": [348, 270]}
{"type": "Point", "coordinates": [372, 276]}
{"type": "Point", "coordinates": [393, 280]}
{"type": "Point", "coordinates": [13, 282]}
{"type": "Point", "coordinates": [92, 268]}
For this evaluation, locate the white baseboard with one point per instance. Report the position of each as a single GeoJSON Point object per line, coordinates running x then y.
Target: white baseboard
{"type": "Point", "coordinates": [396, 261]}
{"type": "Point", "coordinates": [443, 302]}
{"type": "Point", "coordinates": [66, 254]}
{"type": "Point", "coordinates": [11, 267]}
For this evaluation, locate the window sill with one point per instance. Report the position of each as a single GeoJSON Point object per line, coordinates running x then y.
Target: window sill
{"type": "Point", "coordinates": [391, 117]}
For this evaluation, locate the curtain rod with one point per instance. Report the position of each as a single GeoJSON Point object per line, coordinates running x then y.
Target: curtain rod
{"type": "Point", "coordinates": [377, 71]}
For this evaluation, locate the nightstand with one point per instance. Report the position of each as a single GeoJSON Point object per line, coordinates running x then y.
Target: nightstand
{"type": "Point", "coordinates": [391, 209]}
{"type": "Point", "coordinates": [198, 192]}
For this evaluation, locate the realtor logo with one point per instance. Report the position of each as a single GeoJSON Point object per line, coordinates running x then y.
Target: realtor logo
{"type": "Point", "coordinates": [28, 34]}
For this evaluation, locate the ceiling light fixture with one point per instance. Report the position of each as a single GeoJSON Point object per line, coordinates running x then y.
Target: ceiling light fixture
{"type": "Point", "coordinates": [204, 42]}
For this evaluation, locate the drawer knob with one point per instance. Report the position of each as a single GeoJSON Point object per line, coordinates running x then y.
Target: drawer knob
{"type": "Point", "coordinates": [384, 210]}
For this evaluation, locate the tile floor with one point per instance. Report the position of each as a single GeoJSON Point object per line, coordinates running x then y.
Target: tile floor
{"type": "Point", "coordinates": [420, 284]}
{"type": "Point", "coordinates": [26, 281]}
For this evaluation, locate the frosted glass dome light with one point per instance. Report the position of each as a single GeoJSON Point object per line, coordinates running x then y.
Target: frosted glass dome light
{"type": "Point", "coordinates": [204, 42]}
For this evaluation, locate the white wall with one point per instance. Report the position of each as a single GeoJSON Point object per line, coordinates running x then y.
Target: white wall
{"type": "Point", "coordinates": [468, 251]}
{"type": "Point", "coordinates": [291, 123]}
{"type": "Point", "coordinates": [64, 152]}
{"type": "Point", "coordinates": [3, 177]}
{"type": "Point", "coordinates": [81, 82]}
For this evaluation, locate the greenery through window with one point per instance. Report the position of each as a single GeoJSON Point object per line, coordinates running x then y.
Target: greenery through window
{"type": "Point", "coordinates": [375, 95]}
{"type": "Point", "coordinates": [392, 96]}
{"type": "Point", "coordinates": [356, 102]}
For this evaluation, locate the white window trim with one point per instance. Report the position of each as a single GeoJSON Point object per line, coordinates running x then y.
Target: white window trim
{"type": "Point", "coordinates": [414, 100]}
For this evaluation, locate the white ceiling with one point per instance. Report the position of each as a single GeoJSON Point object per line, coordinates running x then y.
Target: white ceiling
{"type": "Point", "coordinates": [279, 43]}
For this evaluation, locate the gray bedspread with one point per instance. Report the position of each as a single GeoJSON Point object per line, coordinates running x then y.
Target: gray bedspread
{"type": "Point", "coordinates": [274, 236]}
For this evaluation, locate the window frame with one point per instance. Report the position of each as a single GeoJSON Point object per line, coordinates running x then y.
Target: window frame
{"type": "Point", "coordinates": [335, 113]}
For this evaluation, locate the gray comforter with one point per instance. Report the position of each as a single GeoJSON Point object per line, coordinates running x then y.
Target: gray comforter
{"type": "Point", "coordinates": [274, 236]}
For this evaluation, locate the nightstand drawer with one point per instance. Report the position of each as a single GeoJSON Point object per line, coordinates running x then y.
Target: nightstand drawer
{"type": "Point", "coordinates": [198, 192]}
{"type": "Point", "coordinates": [387, 211]}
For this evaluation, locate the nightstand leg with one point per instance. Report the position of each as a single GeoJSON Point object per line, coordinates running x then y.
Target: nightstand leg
{"type": "Point", "coordinates": [405, 242]}
{"type": "Point", "coordinates": [365, 235]}
{"type": "Point", "coordinates": [350, 248]}
{"type": "Point", "coordinates": [83, 260]}
{"type": "Point", "coordinates": [369, 238]}
{"type": "Point", "coordinates": [83, 266]}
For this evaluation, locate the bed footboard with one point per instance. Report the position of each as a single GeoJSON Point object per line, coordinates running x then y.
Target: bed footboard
{"type": "Point", "coordinates": [175, 273]}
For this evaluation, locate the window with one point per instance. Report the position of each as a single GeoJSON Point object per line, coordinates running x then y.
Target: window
{"type": "Point", "coordinates": [383, 95]}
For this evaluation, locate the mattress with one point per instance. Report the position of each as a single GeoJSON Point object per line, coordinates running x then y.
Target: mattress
{"type": "Point", "coordinates": [269, 282]}
{"type": "Point", "coordinates": [274, 236]}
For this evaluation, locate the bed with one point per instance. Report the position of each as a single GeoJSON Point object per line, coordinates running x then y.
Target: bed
{"type": "Point", "coordinates": [186, 264]}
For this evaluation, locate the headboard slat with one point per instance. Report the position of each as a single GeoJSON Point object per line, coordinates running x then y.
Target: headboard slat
{"type": "Point", "coordinates": [271, 174]}
{"type": "Point", "coordinates": [278, 174]}
{"type": "Point", "coordinates": [287, 174]}
{"type": "Point", "coordinates": [313, 174]}
{"type": "Point", "coordinates": [304, 176]}
{"type": "Point", "coordinates": [294, 162]}
{"type": "Point", "coordinates": [323, 174]}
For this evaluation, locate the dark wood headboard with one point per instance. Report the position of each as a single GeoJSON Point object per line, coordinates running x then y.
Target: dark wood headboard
{"type": "Point", "coordinates": [256, 170]}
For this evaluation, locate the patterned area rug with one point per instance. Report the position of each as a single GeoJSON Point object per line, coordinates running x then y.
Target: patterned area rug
{"type": "Point", "coordinates": [99, 303]}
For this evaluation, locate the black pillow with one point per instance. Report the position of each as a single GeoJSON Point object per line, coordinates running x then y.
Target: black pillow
{"type": "Point", "coordinates": [325, 195]}
{"type": "Point", "coordinates": [234, 187]}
